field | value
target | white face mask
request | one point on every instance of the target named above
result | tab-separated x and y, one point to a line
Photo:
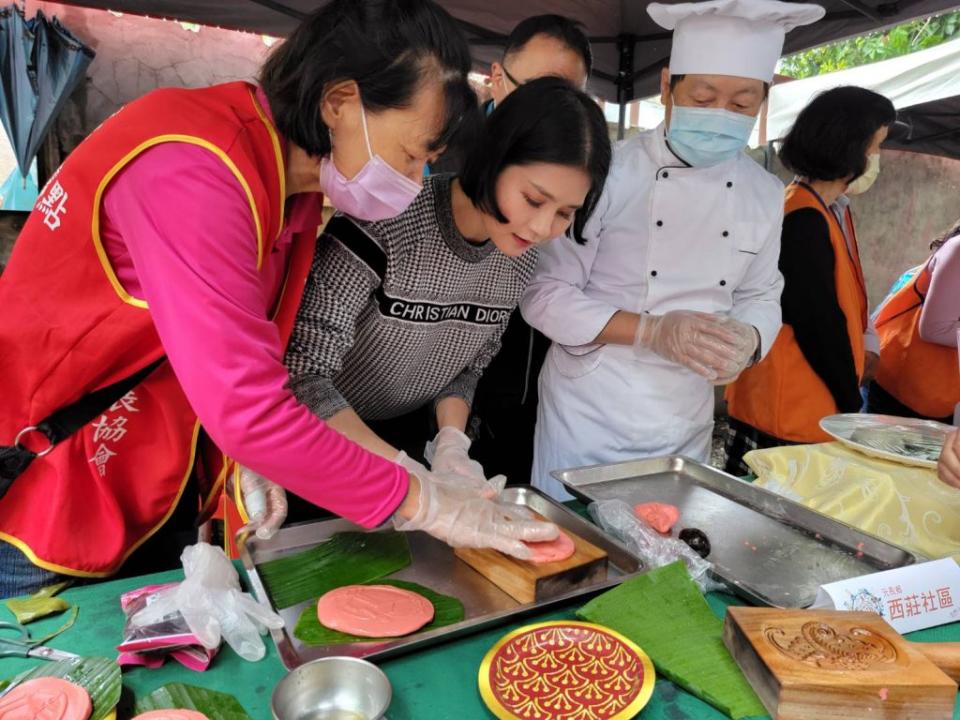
865	181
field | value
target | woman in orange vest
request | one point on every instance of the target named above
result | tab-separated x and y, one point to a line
819	359
150	296
919	372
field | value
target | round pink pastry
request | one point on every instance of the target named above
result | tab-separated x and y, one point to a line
46	697
172	714
553	550
376	611
660	516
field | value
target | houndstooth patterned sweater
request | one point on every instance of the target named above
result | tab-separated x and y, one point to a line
400	313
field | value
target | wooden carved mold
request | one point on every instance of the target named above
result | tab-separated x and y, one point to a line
823	646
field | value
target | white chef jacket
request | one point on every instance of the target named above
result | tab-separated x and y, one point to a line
664	236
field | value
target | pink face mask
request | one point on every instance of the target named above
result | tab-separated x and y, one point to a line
377	192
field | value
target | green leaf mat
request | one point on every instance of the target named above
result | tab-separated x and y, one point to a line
665	614
347	558
215	705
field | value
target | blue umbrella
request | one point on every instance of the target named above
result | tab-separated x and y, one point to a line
19	192
41	62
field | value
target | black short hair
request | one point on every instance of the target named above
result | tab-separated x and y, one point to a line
387	46
558	27
545	120
674	79
830	137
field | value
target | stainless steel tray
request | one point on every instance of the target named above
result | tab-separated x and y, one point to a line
434	566
768	549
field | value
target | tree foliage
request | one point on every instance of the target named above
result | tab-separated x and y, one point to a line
893	42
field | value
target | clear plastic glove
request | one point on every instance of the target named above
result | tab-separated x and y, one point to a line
748	339
449	452
701	342
212	605
265	503
461	518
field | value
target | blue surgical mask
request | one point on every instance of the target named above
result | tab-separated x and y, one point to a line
708	136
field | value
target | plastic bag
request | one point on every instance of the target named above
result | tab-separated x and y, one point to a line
212	605
617	518
150	645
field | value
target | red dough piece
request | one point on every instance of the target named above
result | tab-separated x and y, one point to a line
660	516
553	550
46	698
376	611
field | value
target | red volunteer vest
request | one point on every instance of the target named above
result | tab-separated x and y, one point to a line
923	376
68	328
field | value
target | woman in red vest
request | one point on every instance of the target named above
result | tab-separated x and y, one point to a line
919	373
150	296
823	351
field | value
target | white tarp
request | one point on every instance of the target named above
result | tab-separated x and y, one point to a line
910	80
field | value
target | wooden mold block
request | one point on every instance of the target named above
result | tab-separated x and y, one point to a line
529	582
830	665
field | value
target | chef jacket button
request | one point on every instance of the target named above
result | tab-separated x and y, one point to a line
729	183
653	273
723	283
665	174
725	233
659	223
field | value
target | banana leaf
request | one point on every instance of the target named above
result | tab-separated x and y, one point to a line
347	558
39	605
665	614
215	705
99	676
447	610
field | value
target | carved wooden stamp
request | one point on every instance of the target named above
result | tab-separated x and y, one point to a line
829	665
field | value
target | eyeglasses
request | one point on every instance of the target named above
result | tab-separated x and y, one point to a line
510	77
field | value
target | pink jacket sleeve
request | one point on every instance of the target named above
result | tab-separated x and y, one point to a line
941	309
188	230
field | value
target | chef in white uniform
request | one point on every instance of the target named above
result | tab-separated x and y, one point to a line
676	288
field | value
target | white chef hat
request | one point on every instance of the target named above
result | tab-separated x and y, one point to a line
743	38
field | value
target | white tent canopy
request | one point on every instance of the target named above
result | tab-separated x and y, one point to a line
629	48
916	79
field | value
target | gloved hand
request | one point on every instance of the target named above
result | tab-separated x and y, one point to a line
265	503
448	452
212	605
745	348
698	341
461	518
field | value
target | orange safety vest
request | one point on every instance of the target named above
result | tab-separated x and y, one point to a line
68	328
782	395
923	376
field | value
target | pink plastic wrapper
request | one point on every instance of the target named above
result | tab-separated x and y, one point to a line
149	646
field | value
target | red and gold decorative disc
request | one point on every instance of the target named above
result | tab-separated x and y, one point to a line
565	670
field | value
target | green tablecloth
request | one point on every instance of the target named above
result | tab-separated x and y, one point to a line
439	683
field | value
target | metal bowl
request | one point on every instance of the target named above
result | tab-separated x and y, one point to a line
333	688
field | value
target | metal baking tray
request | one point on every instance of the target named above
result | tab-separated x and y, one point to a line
434	566
766	548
